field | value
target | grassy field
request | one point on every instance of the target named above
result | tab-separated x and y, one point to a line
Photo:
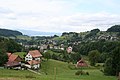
62	71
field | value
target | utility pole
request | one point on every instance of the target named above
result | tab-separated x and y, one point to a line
119	76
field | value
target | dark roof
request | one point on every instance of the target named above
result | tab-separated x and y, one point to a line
12	63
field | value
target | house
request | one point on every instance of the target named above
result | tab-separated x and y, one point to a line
81	63
13	61
33	59
69	49
43	47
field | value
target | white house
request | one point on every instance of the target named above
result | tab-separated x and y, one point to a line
69	49
33	59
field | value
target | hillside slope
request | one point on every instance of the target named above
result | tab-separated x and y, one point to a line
9	33
63	73
49	66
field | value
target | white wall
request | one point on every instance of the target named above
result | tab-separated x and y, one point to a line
28	57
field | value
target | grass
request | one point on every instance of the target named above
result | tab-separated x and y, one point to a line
24	37
62	71
48	67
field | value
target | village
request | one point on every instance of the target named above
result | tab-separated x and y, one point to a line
32	60
85	55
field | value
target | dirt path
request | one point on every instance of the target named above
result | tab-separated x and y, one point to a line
34	71
9	79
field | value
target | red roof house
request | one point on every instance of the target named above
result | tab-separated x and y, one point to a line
13	60
14	57
33	58
81	63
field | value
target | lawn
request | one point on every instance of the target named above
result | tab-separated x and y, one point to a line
47	73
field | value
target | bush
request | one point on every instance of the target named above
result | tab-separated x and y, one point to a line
78	73
71	66
81	73
87	73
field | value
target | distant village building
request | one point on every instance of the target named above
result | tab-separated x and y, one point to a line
69	49
62	48
33	59
56	47
43	47
108	37
14	61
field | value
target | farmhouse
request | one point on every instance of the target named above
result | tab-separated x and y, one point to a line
14	61
81	63
33	59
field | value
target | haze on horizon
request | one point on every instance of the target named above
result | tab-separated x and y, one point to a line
59	15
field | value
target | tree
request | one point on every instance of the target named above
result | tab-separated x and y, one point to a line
112	66
48	47
12	46
108	70
92	33
47	55
103	57
94	57
74	57
54	56
3	57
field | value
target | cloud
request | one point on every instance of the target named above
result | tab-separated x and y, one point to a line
5	10
58	15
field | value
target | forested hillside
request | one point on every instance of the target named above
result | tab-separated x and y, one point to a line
9	33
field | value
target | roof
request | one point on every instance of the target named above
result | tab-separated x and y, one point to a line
81	63
12	63
35	53
9	54
33	62
12	57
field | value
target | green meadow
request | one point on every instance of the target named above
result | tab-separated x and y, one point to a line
49	69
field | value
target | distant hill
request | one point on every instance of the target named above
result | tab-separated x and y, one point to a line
115	28
38	33
9	33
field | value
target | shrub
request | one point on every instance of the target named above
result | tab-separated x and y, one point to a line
81	73
78	73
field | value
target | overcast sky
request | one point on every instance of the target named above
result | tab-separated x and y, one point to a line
59	15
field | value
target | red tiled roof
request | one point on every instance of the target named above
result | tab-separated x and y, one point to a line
81	63
35	53
9	54
33	62
12	57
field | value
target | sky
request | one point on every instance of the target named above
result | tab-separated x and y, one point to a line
59	15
